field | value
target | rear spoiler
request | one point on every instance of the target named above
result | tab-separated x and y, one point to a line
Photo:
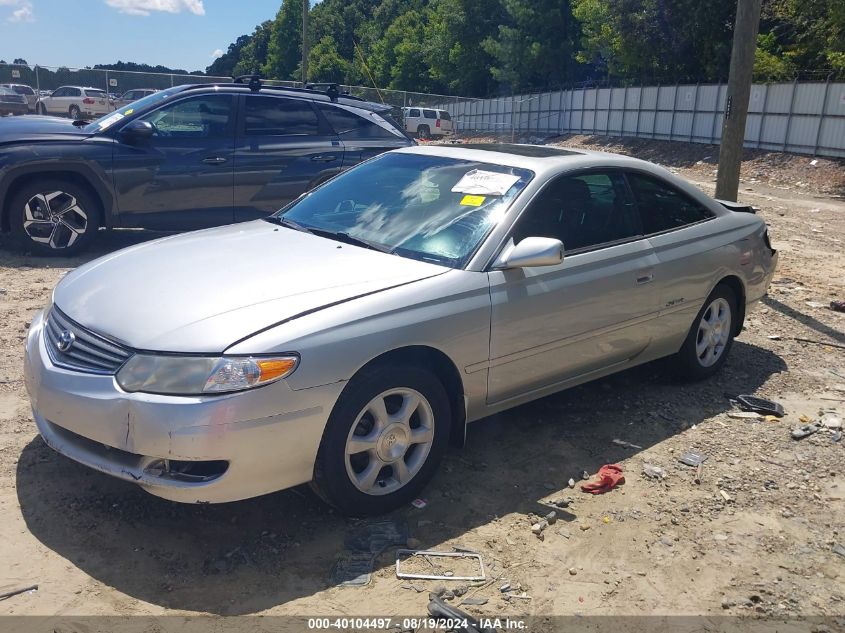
738	207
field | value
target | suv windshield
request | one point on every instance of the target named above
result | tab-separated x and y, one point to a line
429	208
105	122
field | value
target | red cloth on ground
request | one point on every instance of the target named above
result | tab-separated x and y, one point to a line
610	476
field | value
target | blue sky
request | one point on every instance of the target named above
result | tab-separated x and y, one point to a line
76	33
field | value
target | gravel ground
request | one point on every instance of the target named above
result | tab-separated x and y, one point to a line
767	547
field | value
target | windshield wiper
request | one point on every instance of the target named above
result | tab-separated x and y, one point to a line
283	221
351	239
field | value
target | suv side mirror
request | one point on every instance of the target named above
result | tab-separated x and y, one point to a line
137	130
532	251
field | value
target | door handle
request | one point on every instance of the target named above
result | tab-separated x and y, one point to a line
644	279
324	158
214	160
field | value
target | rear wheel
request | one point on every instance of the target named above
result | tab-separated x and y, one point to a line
40	109
711	336
423	132
54	217
383	441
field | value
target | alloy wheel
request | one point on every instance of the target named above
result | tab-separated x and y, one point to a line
714	331
389	442
55	219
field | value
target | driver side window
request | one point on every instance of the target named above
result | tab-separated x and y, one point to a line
207	116
582	211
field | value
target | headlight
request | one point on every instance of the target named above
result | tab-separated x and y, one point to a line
195	375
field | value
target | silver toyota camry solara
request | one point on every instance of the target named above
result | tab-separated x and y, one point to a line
349	338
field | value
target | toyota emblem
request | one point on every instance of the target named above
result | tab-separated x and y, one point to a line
66	339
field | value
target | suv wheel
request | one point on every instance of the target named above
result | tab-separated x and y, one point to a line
54	217
40	109
74	112
711	336
423	132
383	441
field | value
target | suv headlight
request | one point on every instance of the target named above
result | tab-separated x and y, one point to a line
196	375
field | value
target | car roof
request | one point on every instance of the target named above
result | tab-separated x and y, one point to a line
538	158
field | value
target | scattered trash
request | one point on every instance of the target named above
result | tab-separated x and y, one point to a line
405	555
726	496
15	592
363	545
759	405
505	587
655	472
814	162
571	483
745	415
806	430
419	504
625	444
610	476
416	588
692	458
837	549
831	421
699	474
474	601
605	520
447	612
774	337
837	435
837	306
815	304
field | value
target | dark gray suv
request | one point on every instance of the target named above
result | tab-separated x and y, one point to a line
183	158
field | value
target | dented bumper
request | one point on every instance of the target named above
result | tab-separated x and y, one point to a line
259	441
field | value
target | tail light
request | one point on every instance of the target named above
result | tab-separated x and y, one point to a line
437	124
88	101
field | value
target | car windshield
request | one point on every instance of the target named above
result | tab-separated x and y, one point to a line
429	208
105	122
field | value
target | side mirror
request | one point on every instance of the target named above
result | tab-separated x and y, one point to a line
532	251
137	130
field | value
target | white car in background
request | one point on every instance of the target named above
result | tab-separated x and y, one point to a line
427	122
77	102
25	91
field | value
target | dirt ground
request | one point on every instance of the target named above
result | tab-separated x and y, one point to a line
766	548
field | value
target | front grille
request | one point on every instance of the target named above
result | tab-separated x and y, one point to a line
89	353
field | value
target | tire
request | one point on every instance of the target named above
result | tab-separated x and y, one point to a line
54	217
369	481
706	347
423	132
41	109
74	112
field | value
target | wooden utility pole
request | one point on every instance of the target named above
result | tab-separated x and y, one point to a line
305	8
736	101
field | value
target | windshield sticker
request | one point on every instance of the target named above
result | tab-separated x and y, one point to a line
485	183
129	111
472	201
110	120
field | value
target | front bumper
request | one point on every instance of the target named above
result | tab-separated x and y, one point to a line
269	436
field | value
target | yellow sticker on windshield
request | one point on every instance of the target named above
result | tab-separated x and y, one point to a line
129	111
472	201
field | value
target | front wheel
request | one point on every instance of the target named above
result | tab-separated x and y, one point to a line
423	132
74	112
383	441
711	336
54	217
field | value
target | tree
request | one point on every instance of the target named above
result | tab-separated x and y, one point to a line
535	47
326	65
255	53
225	64
21	61
285	41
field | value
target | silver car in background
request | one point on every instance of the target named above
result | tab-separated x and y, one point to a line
347	339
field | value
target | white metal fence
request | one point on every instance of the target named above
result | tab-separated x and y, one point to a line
800	117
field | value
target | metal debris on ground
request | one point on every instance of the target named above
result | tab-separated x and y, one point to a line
692	458
404	555
726	496
745	415
625	444
825	343
469	624
839	550
799	433
837	306
758	405
16	592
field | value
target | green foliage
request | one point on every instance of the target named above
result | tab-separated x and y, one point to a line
487	47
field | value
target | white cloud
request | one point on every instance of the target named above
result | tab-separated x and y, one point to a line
217	53
145	7
23	11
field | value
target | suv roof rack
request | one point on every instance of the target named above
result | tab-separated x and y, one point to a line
332	91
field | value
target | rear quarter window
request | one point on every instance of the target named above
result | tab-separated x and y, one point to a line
352	126
663	207
429	114
445	115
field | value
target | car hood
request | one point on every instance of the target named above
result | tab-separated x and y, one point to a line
204	291
33	127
